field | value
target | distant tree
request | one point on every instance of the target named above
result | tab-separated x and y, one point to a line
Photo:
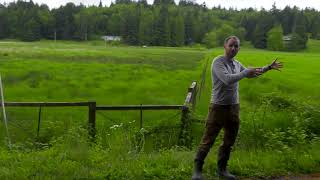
315	28
223	32
240	33
123	1
198	28
299	29
187	3
65	20
4	22
287	19
210	39
189	27
143	2
162	29
82	21
46	21
164	23
274	10
32	31
275	39
260	37
115	21
264	24
248	21
313	23
162	2
146	27
180	32
177	30
130	25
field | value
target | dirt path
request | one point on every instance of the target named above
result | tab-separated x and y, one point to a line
299	177
302	177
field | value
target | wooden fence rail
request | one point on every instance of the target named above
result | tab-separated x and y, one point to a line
138	107
45	104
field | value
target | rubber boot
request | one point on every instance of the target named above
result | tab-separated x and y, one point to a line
197	173
223	157
224	173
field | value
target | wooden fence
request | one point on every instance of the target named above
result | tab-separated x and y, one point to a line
190	102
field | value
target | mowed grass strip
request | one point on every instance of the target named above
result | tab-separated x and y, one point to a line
160	57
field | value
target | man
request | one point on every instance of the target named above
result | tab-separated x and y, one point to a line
224	106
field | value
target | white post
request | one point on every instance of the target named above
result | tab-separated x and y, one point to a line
4	113
55	36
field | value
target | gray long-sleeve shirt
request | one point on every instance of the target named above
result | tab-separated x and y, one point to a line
225	76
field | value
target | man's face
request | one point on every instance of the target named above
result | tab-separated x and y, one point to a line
231	48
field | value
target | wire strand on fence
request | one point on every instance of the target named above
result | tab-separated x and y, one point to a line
112	120
126	127
171	117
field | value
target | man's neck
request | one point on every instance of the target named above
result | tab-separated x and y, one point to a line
228	58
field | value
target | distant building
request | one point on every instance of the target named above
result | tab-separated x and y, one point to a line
287	38
287	41
111	38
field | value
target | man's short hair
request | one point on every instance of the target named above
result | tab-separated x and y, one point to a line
231	37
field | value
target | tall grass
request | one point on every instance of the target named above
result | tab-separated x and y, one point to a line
279	112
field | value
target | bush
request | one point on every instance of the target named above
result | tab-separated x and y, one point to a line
275	39
210	39
296	43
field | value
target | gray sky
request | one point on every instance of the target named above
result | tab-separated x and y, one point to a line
239	4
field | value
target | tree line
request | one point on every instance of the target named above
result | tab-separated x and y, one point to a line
163	23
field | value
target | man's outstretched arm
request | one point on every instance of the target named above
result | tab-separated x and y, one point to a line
274	65
228	78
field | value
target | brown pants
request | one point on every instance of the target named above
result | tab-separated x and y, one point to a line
219	116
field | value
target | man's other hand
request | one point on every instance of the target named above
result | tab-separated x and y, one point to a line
254	72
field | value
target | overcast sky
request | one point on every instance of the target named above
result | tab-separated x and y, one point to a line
239	4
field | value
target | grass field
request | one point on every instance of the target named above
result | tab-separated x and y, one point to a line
280	114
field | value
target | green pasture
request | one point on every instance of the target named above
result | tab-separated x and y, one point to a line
280	114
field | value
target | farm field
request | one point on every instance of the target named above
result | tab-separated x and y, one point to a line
280	114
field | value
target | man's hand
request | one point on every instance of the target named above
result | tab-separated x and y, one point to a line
254	72
276	65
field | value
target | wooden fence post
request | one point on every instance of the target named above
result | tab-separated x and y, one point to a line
183	136
193	90
92	119
39	120
141	120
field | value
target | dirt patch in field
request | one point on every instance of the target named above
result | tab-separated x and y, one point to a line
302	177
293	177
